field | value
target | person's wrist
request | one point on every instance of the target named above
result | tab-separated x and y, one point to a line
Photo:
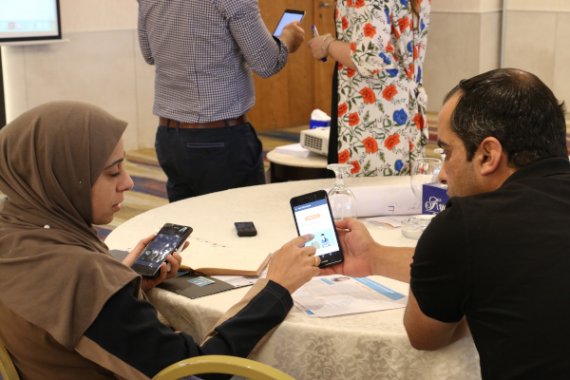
326	45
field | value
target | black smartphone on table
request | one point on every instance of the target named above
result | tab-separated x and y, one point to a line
245	229
289	15
313	215
168	239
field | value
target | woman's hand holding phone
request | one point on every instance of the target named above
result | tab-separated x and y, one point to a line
155	257
134	254
167	270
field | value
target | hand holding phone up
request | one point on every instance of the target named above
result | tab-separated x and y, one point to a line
293	36
168	269
157	251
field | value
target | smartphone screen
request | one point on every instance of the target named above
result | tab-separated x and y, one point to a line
169	238
288	17
313	215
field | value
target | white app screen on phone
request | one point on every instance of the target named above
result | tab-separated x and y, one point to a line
315	218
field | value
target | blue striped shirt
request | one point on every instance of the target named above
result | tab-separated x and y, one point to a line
204	52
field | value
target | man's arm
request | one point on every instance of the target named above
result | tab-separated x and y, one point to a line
426	333
439	287
143	38
363	257
264	54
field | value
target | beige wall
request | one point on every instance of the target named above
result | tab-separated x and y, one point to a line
538	40
100	60
464	39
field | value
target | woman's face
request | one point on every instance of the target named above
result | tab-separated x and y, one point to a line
107	192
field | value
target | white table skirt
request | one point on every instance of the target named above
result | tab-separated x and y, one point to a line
362	346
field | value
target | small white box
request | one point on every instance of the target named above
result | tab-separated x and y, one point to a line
316	140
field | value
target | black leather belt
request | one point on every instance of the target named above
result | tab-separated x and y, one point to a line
212	124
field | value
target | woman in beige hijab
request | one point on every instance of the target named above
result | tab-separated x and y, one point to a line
68	310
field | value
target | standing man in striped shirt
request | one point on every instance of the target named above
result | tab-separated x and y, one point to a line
204	53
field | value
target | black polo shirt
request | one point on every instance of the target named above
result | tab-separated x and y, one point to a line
502	259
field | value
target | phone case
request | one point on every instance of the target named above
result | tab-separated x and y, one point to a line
153	255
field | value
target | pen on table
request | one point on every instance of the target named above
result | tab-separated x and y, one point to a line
316	34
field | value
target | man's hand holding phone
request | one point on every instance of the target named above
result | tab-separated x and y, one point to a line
359	250
293	36
289	29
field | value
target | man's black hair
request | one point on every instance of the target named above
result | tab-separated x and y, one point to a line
515	107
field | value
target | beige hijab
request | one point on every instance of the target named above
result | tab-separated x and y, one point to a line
54	270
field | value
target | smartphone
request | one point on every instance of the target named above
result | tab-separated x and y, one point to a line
245	229
169	239
313	215
288	17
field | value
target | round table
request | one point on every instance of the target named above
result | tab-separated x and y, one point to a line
361	346
293	163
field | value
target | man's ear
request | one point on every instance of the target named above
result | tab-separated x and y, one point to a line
489	156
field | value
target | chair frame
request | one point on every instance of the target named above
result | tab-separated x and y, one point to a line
7	368
222	364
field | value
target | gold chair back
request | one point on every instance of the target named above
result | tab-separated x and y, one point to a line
7	369
223	364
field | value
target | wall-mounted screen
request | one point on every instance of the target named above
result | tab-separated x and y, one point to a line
27	20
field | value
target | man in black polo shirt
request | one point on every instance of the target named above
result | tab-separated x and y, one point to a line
496	262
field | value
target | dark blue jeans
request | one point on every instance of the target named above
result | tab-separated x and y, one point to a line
201	161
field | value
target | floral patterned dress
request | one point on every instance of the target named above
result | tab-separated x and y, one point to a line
382	104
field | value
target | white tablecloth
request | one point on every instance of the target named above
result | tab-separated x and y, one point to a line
362	346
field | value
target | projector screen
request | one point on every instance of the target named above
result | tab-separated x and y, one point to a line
26	20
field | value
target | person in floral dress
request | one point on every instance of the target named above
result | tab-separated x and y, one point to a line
380	48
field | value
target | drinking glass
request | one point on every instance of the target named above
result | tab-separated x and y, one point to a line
342	200
424	170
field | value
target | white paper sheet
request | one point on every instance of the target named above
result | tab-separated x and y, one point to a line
329	296
377	200
293	150
212	258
